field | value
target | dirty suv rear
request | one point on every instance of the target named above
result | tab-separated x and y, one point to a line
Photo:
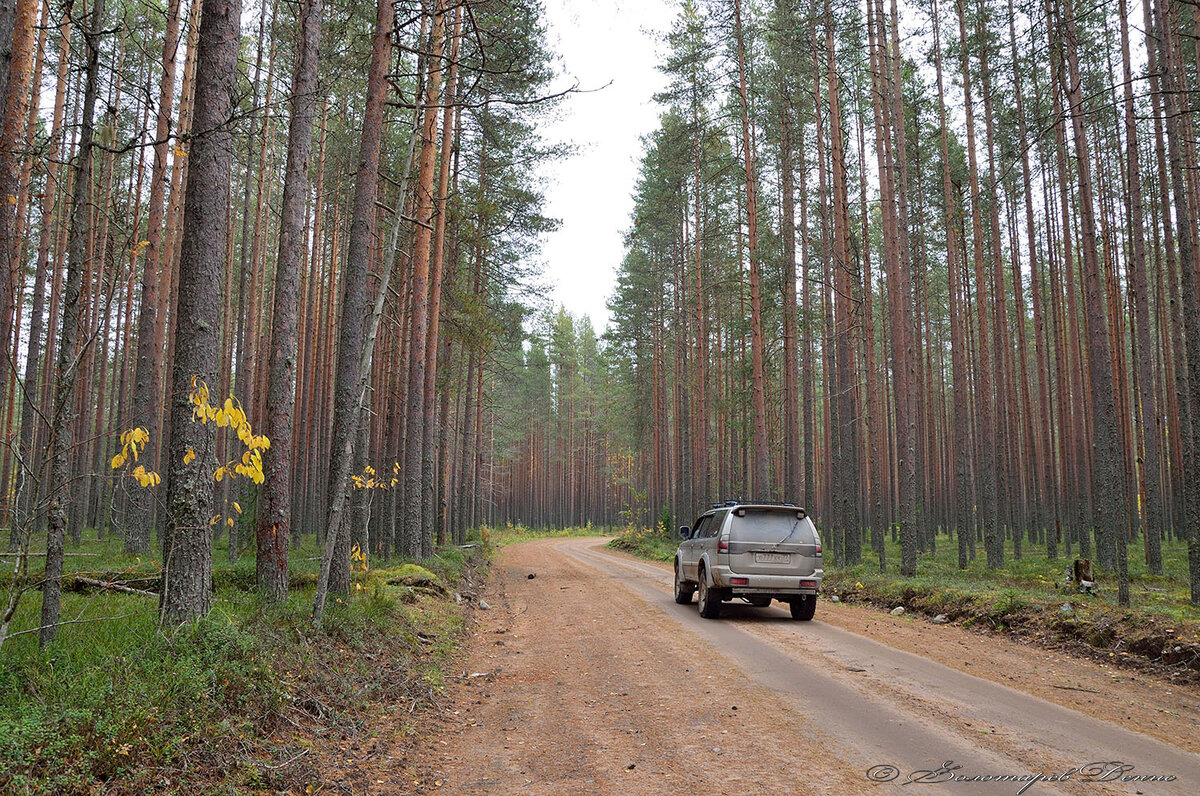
757	552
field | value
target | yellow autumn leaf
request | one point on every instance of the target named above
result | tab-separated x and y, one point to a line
219	474
118	461
189	457
229	521
237	507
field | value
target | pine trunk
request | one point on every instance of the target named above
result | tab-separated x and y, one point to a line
187	547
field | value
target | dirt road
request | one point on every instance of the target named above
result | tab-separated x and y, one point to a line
587	678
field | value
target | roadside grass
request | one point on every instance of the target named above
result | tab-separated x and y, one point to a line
1031	579
239	700
509	533
654	544
1028	597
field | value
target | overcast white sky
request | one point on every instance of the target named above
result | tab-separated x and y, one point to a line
599	41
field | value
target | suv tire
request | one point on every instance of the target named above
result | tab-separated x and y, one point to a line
804	606
683	589
708	599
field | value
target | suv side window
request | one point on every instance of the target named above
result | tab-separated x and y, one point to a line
701	527
713	528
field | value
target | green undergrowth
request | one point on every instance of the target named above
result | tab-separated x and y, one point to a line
1027	597
237	702
654	544
510	533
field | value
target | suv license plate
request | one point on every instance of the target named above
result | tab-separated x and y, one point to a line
772	558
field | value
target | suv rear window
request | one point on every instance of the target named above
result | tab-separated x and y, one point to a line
766	525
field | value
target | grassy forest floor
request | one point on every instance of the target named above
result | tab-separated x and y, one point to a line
237	702
1027	597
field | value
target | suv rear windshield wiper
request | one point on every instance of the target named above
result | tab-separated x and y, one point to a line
789	533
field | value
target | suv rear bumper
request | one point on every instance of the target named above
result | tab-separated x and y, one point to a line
766	584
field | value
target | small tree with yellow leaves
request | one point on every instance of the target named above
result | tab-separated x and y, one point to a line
229	415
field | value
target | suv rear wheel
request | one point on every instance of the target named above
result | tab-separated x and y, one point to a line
708	599
683	589
804	606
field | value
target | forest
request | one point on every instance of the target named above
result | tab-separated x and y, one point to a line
259	262
927	269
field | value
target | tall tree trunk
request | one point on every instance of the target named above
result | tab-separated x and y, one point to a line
985	395
16	55
845	380
893	189
1045	451
1107	468
1189	398
793	460
437	267
354	290
148	382
761	480
963	489
1005	429
32	424
415	526
61	443
1146	415
187	546
274	506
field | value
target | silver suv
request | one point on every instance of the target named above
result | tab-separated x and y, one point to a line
756	551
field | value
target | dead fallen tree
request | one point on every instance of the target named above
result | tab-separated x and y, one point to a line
109	586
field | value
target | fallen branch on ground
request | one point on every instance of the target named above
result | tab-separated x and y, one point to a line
100	584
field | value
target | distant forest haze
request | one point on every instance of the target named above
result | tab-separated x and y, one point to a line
928	269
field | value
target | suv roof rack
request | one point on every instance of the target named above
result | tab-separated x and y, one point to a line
739	502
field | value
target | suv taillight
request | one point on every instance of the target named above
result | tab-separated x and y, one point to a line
818	549
723	546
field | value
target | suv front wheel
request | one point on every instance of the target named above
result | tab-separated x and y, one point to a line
683	589
708	599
